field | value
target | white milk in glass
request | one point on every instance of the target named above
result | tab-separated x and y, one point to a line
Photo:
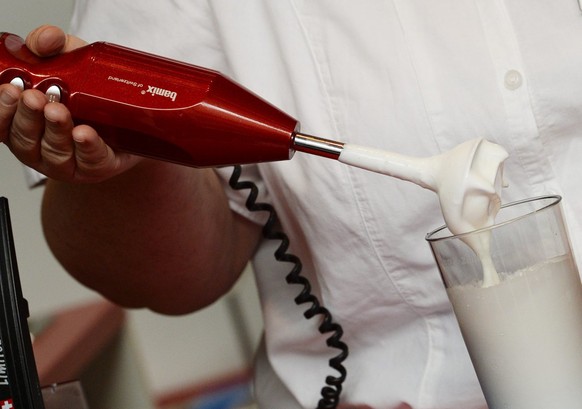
528	333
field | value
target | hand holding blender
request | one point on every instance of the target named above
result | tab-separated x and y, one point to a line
60	151
142	104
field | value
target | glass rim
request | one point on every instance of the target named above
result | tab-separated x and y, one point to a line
556	199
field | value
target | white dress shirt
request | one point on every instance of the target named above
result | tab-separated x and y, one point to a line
410	76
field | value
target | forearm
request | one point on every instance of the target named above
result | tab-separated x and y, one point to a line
159	235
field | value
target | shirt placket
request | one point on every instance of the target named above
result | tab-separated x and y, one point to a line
523	139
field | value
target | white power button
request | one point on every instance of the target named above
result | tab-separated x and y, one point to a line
18	82
54	93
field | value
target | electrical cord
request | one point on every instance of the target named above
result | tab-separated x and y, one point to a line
330	393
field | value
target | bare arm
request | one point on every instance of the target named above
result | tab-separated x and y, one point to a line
142	232
159	236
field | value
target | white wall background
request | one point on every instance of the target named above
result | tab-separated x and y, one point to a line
20	16
175	351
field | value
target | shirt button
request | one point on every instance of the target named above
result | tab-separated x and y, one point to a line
513	79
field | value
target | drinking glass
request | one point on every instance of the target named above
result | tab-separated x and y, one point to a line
521	315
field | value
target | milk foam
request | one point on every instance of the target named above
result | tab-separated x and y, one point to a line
467	179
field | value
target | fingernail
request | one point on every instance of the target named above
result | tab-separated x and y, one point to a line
7	98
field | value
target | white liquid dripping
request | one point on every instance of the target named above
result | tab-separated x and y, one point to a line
467	179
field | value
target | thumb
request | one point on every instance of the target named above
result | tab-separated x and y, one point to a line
50	40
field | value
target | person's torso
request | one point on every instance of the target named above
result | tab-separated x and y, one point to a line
413	77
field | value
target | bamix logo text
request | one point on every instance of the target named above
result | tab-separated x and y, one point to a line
161	92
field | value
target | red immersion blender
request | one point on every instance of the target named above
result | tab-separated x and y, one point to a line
160	108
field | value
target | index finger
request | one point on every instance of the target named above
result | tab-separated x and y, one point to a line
9	95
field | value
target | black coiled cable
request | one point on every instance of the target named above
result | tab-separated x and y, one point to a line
330	394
